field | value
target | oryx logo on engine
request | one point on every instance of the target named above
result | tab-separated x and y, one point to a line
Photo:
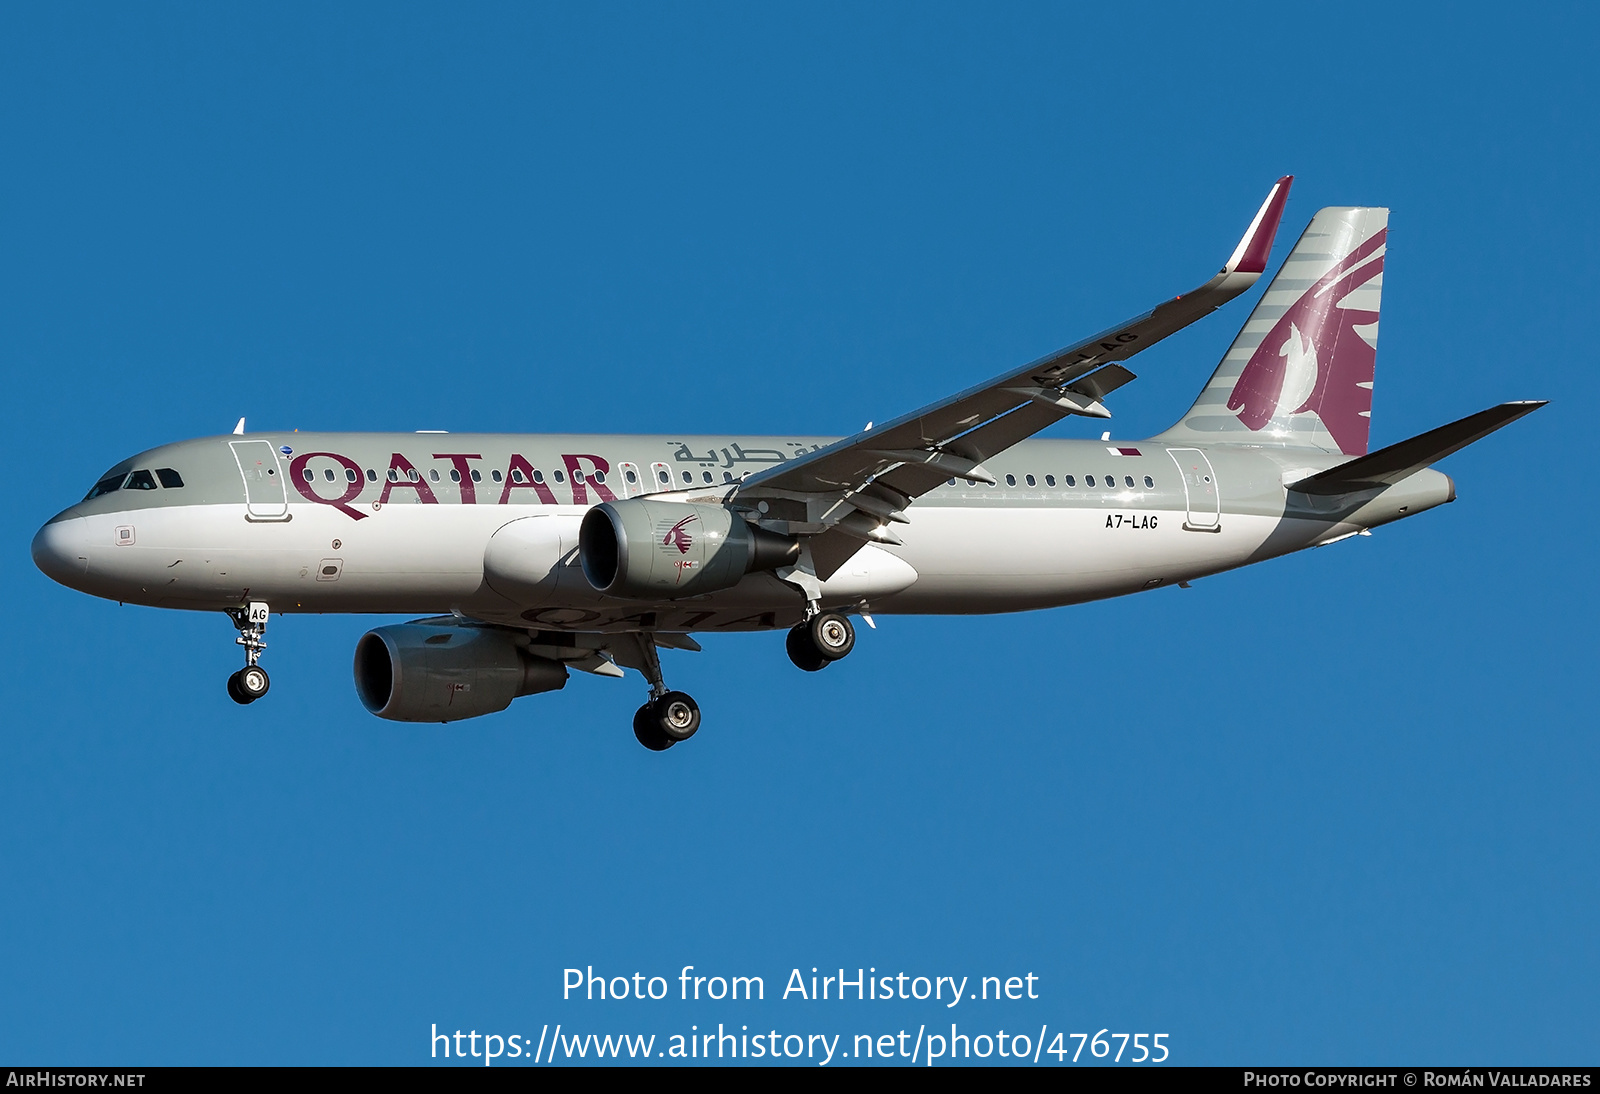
678	535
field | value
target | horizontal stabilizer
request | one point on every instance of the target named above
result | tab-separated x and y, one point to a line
1388	466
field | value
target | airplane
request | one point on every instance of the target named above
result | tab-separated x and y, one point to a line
532	556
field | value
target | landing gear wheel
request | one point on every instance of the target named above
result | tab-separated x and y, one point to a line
832	635
677	715
248	684
648	730
803	652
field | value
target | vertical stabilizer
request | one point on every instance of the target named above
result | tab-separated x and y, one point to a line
1299	374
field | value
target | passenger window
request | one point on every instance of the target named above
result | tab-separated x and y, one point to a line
952	482
350	475
1149	483
394	476
1070	481
372	476
1128	479
516	475
727	476
1049	480
972	482
477	476
495	474
140	480
538	476
1031	481
600	477
169	478
455	475
559	477
663	476
412	474
327	473
706	475
1088	480
308	474
630	476
577	476
1011	480
688	477
432	474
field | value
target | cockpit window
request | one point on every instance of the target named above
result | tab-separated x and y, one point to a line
107	485
169	478
140	480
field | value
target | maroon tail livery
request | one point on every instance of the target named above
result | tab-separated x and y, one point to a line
1301	371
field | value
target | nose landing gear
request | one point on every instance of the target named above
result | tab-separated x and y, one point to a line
249	683
820	641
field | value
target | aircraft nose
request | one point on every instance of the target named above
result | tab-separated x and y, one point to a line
61	550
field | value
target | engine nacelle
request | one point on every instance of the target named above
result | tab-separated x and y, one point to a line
663	550
425	672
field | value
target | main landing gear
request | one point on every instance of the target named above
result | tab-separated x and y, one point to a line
820	641
669	716
249	683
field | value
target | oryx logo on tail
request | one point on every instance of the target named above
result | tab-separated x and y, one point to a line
1299	372
1315	358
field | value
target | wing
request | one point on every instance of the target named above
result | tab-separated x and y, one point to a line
848	493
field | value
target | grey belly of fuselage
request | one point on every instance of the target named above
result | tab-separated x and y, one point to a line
401	523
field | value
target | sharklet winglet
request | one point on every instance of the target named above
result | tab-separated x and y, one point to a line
1251	254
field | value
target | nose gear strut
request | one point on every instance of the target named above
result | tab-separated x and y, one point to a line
249	683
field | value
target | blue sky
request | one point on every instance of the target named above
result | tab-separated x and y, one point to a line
1335	808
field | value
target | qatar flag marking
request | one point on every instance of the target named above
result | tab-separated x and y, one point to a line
1123	451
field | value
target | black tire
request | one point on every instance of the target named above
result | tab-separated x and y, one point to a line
803	652
252	682
832	635
233	690
648	731
677	715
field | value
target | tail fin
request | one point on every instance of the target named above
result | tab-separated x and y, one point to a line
1299	374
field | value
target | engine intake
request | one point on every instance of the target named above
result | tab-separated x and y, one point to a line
663	550
424	672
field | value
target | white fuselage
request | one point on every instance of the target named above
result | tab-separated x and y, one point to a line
357	533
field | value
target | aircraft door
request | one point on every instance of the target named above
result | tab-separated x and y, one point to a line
1199	488
264	490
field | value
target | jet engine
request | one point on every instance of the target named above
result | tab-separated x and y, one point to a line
663	550
443	672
